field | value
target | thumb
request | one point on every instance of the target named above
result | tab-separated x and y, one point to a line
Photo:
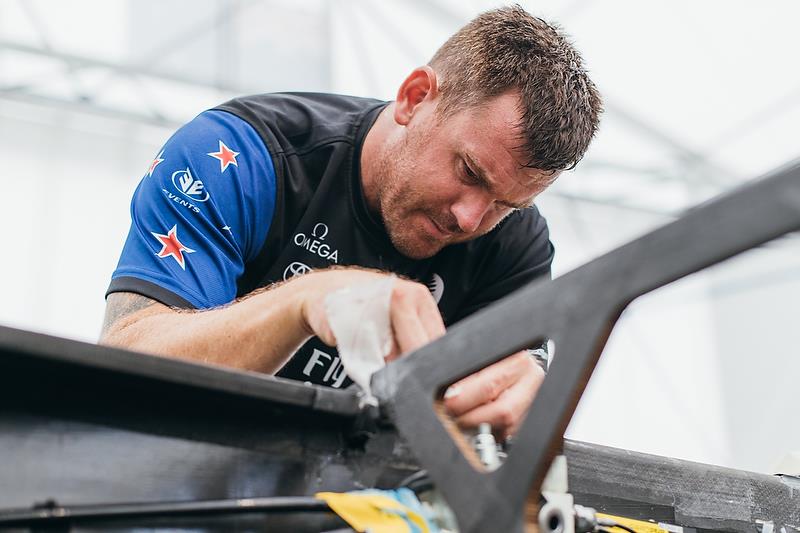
394	353
319	325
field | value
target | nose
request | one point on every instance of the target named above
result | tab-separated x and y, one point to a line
470	209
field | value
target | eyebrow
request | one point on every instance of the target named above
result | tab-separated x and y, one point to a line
481	175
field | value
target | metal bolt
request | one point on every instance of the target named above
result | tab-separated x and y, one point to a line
486	446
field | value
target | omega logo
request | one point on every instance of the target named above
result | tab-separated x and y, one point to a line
322	229
315	243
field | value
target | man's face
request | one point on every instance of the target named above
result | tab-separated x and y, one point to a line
445	181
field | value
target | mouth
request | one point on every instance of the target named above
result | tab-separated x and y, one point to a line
436	230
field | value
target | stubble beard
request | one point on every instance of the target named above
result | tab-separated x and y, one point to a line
398	200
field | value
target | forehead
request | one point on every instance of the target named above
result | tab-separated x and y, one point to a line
490	135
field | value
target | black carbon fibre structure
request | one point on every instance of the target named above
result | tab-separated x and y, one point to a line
85	425
577	311
56	515
693	495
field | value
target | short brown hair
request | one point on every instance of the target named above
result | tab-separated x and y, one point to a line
508	49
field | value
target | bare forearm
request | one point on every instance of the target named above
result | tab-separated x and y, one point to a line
258	333
264	329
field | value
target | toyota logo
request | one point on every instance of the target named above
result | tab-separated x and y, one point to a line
296	269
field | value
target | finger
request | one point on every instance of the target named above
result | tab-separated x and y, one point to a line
394	352
508	411
485	385
408	331
430	317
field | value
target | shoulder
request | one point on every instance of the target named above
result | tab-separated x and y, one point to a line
213	126
219	148
215	172
298	120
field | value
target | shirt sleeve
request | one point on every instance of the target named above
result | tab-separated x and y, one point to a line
201	212
520	252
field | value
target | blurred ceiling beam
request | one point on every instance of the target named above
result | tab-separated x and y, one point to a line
75	61
89	108
612	203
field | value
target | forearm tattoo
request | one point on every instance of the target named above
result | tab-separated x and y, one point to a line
122	304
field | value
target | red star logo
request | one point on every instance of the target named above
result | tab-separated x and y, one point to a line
171	246
226	156
155	163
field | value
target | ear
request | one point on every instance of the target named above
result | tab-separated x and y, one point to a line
418	89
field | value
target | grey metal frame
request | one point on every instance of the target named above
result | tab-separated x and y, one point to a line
577	311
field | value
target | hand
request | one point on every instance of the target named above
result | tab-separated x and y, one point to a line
413	315
499	394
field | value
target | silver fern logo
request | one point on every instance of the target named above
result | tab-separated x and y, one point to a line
436	285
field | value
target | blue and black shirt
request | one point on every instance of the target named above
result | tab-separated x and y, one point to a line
267	187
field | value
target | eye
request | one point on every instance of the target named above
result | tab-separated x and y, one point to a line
467	175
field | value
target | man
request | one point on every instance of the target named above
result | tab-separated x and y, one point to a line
437	186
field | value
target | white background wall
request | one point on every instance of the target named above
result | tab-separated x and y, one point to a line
66	185
705	369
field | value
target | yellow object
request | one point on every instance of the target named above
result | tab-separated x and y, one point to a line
372	512
640	526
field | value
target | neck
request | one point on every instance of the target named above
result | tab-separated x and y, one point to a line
371	152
